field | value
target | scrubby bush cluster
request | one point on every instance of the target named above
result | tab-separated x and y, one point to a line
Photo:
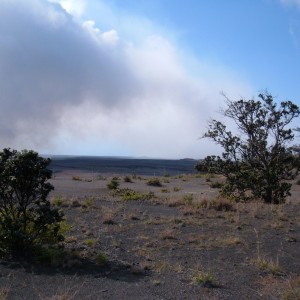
113	184
154	182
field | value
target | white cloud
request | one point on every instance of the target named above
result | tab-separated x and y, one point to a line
73	7
291	2
68	88
110	37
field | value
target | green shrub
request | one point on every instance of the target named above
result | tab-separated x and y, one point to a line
127	179
154	182
206	279
101	259
188	199
89	201
113	184
57	200
90	242
27	218
131	195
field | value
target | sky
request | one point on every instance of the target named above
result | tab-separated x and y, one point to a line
138	78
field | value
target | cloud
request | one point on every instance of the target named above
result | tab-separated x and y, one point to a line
67	86
48	63
110	37
291	2
73	7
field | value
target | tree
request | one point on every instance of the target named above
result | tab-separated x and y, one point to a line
258	160
27	219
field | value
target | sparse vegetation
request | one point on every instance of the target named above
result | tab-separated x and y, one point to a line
127	179
89	242
201	231
113	184
207	279
89	201
188	199
128	195
58	200
268	265
101	259
154	182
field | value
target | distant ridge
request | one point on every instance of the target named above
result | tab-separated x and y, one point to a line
123	165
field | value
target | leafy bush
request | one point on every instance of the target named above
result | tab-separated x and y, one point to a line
128	194
154	182
188	199
127	179
101	259
27	219
257	160
113	184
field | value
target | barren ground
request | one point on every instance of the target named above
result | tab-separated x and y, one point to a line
177	241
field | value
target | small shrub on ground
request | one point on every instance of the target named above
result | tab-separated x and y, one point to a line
101	259
188	199
128	195
75	203
206	279
88	202
154	182
219	204
113	184
127	179
58	200
177	188
268	265
76	178
89	242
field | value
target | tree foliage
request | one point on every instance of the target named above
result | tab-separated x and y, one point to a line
27	219
258	160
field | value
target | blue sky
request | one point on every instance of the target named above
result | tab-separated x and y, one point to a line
138	78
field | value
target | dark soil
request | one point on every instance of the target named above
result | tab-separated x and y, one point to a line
180	244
